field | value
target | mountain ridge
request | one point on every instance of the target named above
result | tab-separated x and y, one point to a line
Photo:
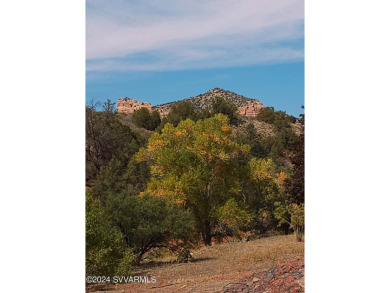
246	106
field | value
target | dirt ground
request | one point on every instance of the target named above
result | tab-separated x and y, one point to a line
272	264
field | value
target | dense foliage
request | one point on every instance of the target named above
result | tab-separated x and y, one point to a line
121	176
268	115
148	222
250	136
284	140
143	118
180	111
202	175
295	185
195	164
107	138
294	215
226	107
105	246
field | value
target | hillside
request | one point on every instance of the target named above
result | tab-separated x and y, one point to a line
135	173
246	106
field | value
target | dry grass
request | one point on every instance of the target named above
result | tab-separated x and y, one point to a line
213	267
274	252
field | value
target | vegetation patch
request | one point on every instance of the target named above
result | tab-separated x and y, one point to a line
194	188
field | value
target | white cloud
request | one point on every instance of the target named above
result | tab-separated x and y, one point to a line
178	34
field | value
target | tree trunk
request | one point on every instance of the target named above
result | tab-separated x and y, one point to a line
298	233
286	228
206	234
137	259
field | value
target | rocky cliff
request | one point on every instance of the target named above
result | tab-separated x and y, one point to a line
251	109
246	106
129	106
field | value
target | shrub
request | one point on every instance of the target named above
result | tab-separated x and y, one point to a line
233	217
143	118
180	111
126	264
267	115
294	215
119	176
105	246
226	107
106	138
148	222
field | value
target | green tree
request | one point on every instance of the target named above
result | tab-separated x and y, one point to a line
195	164
155	120
181	111
121	176
263	190
143	118
204	113
285	133
148	222
251	137
105	246
106	138
294	215
226	107
268	115
232	216
284	138
295	186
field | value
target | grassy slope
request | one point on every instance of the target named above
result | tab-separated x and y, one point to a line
215	266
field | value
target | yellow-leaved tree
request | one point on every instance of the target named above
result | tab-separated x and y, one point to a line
267	188
196	165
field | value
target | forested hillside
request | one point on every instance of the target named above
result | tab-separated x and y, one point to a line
204	101
196	177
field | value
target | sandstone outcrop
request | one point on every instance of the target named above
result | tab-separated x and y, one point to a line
129	106
251	109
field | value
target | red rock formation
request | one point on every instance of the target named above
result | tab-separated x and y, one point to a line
129	106
251	109
246	107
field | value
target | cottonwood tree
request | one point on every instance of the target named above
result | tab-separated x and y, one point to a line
294	215
264	189
195	164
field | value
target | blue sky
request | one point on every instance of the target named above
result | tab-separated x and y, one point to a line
161	51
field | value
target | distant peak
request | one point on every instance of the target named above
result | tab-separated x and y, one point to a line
217	89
